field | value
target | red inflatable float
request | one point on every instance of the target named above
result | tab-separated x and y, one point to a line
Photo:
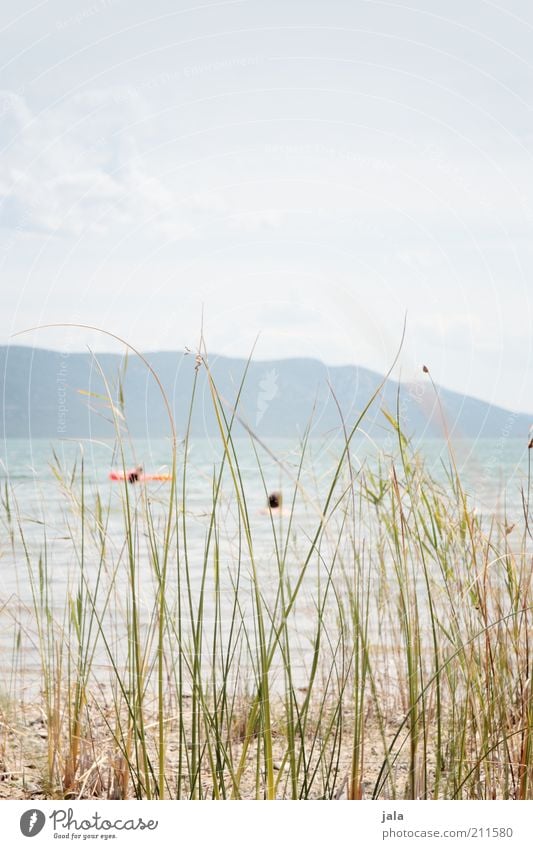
138	477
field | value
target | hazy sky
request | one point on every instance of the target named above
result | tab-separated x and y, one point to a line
308	171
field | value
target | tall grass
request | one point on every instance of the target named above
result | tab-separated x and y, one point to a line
372	640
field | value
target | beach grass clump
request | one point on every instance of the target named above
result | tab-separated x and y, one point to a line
371	639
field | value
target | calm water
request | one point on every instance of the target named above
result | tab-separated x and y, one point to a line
494	474
492	471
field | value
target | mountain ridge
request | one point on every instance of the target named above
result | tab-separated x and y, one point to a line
52	393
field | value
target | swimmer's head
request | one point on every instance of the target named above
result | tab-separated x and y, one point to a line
274	500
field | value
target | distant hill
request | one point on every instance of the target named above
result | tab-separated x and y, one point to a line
44	394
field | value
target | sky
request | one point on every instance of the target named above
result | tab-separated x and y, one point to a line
303	174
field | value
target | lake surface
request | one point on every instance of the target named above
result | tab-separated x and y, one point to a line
494	473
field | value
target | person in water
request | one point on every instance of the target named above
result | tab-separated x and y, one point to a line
274	504
275	501
135	475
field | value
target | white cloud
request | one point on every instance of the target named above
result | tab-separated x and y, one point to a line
255	220
76	167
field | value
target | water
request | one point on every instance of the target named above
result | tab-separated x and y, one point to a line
489	468
494	474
